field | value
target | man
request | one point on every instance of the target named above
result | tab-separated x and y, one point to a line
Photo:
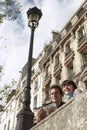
56	97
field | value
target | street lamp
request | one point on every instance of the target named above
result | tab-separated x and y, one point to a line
25	115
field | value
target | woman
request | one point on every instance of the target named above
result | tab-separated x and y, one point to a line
70	89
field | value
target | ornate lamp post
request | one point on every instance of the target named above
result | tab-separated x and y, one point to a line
25	116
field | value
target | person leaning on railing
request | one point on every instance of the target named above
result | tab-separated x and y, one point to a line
56	97
70	90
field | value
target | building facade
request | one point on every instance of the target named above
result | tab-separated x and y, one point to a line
65	57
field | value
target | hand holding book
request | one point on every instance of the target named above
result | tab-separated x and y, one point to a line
46	109
50	108
40	114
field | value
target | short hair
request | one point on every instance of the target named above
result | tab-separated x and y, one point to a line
56	87
69	82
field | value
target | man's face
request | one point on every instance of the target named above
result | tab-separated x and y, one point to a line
55	96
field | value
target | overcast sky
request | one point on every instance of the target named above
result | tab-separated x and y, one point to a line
15	35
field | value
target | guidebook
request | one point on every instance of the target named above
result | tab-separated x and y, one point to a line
49	107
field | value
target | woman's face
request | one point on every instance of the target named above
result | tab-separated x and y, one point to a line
67	89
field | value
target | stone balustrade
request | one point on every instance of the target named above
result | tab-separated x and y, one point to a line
71	116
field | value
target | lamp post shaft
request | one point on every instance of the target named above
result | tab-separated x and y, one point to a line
25	116
30	56
26	98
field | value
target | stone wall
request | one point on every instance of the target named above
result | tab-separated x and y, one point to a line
71	116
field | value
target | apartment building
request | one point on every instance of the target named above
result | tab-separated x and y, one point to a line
36	84
8	115
65	57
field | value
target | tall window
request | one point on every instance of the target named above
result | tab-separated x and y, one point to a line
71	72
36	85
5	127
8	125
47	71
68	49
85	57
58	80
57	60
81	33
35	101
46	91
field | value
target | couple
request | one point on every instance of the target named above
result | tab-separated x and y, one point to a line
69	90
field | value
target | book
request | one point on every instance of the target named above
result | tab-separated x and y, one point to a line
48	108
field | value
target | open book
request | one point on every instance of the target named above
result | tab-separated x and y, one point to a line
48	107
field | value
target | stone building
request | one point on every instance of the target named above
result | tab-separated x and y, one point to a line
65	57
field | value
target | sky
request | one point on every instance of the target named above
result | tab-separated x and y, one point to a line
15	35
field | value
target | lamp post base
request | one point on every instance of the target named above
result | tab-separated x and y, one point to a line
24	120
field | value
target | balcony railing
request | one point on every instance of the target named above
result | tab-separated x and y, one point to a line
47	79
65	117
47	76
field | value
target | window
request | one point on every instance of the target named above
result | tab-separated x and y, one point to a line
81	33
68	49
85	57
5	127
35	101
47	71
8	125
47	96
36	85
71	72
57	59
58	80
